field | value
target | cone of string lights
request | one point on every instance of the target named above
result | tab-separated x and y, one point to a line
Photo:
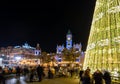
103	47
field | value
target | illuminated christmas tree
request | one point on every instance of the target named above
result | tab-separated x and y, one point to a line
103	49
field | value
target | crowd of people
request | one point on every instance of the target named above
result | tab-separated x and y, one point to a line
39	72
50	72
98	77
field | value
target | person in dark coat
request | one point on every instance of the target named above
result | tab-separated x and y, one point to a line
2	78
71	72
98	76
40	72
18	69
31	74
25	70
86	79
50	74
80	74
107	77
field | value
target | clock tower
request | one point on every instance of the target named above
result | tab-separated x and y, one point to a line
69	40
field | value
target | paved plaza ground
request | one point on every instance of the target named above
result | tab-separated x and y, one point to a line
45	81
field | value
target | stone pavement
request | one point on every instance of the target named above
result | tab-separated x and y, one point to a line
44	81
15	80
61	80
58	81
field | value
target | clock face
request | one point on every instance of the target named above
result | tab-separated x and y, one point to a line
68	38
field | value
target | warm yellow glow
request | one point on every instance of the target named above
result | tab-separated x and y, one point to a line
103	49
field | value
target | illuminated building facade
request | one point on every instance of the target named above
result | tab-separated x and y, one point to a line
69	40
103	49
13	53
37	50
69	44
76	47
60	49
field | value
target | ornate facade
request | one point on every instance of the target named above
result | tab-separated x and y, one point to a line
18	52
69	44
60	49
69	40
75	49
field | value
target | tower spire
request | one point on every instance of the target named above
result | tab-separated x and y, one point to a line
69	32
69	40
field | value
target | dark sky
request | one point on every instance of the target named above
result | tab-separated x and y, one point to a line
45	22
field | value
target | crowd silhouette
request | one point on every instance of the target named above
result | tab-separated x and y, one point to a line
40	72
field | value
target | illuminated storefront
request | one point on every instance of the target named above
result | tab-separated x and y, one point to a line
11	55
30	62
103	49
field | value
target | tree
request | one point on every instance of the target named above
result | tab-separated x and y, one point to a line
70	55
45	57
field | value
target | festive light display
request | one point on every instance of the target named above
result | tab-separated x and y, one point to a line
103	49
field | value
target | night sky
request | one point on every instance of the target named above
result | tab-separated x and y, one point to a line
45	22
